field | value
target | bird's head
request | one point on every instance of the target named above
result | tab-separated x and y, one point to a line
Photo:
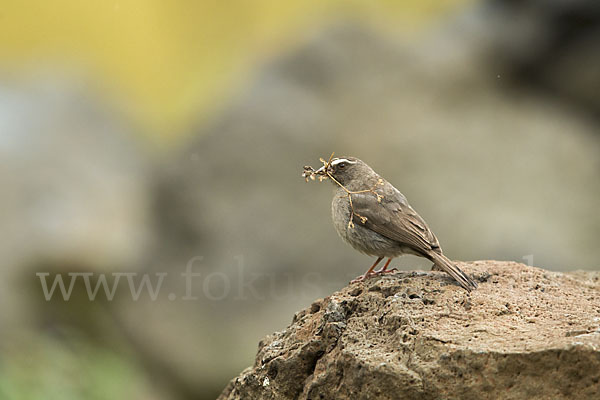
346	170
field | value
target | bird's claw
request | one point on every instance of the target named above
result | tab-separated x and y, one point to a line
360	278
385	271
374	273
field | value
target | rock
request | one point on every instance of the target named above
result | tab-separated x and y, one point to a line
525	333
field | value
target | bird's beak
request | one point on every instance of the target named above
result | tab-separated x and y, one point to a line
321	171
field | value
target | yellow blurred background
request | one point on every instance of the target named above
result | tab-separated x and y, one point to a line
172	64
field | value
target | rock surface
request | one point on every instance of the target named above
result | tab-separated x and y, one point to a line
525	333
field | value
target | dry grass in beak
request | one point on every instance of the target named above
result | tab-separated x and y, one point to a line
323	173
310	173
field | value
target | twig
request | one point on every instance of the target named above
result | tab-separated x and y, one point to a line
349	193
309	172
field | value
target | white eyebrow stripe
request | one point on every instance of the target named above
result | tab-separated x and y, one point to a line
341	160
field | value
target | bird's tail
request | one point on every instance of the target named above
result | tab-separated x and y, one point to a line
443	263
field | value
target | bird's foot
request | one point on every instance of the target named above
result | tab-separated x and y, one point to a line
384	271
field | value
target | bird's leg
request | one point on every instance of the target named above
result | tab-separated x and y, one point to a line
384	270
368	273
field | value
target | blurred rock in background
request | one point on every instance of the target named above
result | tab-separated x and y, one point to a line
75	198
487	123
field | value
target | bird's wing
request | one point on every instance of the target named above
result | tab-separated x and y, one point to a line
394	218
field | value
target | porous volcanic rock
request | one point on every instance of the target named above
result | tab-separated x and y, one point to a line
524	333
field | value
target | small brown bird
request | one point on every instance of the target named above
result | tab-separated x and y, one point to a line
374	217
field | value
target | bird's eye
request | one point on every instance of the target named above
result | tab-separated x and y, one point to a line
342	165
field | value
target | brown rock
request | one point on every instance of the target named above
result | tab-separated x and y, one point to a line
525	333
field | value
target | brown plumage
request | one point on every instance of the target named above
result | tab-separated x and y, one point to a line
375	218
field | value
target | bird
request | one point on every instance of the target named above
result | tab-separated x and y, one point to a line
371	215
